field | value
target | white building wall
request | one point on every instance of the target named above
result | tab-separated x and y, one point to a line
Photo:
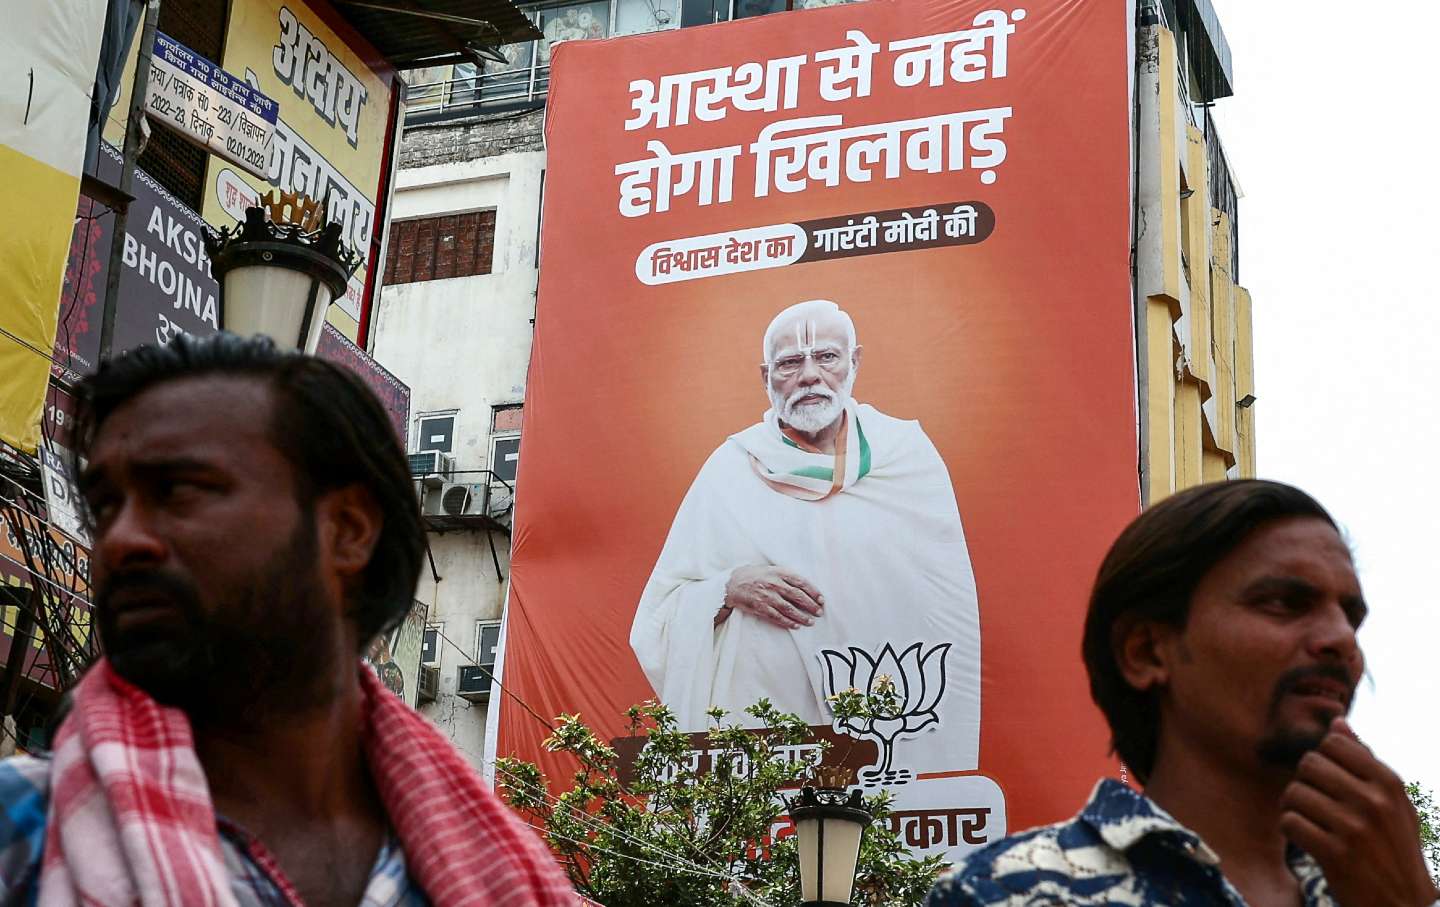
464	344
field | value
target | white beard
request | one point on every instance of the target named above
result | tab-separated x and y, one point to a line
811	418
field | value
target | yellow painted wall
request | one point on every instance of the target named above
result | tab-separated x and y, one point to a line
1197	339
32	269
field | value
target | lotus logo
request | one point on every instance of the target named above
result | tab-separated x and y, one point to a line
904	691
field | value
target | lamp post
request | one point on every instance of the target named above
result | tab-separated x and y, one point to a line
278	273
829	825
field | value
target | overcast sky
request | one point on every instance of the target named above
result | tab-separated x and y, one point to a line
1332	137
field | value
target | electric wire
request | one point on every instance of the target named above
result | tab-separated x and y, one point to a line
585	819
69	309
62	621
580	816
494	680
22	342
34	498
588	820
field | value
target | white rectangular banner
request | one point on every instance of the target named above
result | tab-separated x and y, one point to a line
209	106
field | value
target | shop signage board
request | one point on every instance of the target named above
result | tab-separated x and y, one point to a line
331	135
62	498
166	289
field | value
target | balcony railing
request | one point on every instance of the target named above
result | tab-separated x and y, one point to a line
487	91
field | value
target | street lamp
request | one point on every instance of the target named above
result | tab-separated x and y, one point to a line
279	273
828	827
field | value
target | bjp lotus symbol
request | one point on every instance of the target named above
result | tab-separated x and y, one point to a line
903	691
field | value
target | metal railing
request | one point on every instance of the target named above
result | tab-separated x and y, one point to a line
477	93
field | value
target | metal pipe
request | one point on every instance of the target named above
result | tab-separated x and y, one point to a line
133	119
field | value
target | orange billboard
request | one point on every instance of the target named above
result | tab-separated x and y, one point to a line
833	387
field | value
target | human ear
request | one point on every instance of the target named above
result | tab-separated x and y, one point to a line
1141	653
855	356
765	376
349	523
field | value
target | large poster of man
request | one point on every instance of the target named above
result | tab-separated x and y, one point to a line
770	581
833	388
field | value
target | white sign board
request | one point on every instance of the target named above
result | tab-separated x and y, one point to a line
209	106
62	499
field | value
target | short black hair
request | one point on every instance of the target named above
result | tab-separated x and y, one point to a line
327	424
1151	573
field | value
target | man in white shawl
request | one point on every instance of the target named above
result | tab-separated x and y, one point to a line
815	551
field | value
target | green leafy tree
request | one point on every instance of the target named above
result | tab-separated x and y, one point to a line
1429	814
677	835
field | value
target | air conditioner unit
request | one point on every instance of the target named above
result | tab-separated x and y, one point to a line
456	499
429	685
472	682
432	467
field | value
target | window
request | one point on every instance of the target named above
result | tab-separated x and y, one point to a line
436	432
634	17
487	639
505	441
575	22
505	458
175	162
744	9
430	644
435	248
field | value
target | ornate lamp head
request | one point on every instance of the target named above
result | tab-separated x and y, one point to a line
279	269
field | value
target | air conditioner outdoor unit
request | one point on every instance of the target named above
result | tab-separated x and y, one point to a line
472	682
429	685
456	499
432	467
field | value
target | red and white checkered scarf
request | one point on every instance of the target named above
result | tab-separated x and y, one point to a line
131	823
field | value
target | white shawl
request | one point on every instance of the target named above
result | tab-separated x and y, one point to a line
886	550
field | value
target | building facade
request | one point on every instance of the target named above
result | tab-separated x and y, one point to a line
471	177
1196	375
454	321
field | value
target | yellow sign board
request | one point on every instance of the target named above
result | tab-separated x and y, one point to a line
330	138
48	53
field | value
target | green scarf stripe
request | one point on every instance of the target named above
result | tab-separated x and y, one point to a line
864	453
828	475
815	472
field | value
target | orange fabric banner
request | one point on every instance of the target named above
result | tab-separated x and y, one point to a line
951	175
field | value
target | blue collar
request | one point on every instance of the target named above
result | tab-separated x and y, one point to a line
1123	817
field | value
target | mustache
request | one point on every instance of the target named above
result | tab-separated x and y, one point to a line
148	584
795	397
1295	677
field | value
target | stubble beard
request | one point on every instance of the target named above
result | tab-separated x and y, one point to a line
1283	747
258	652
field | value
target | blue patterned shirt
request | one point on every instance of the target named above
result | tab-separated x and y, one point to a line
1121	850
255	880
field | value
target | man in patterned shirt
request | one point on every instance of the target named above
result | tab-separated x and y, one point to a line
1220	644
254	528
